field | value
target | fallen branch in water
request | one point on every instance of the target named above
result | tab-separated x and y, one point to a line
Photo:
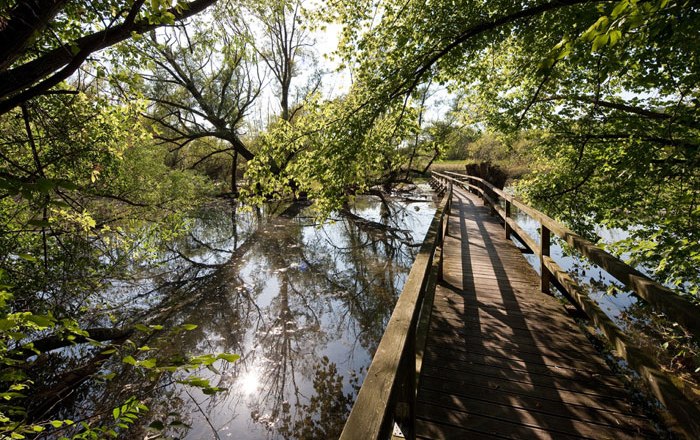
54	342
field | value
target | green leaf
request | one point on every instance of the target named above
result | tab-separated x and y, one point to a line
229	357
600	42
142	328
66	184
41	320
619	8
147	363
45	185
614	36
189	327
129	360
28	257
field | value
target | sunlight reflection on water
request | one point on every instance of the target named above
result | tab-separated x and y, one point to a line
304	306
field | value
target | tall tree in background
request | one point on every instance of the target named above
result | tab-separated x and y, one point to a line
202	84
282	41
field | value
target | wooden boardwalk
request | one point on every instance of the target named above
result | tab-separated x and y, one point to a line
504	360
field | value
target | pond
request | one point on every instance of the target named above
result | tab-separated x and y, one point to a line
303	304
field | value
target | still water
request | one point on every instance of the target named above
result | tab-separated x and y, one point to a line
303	304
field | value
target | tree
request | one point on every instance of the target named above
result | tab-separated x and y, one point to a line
282	41
338	149
613	87
202	84
279	35
45	41
73	166
73	162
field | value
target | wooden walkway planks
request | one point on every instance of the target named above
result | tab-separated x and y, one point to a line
503	360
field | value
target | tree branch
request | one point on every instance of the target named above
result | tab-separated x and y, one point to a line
37	76
623	107
26	19
480	28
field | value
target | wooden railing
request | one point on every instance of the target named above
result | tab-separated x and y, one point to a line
683	411
388	393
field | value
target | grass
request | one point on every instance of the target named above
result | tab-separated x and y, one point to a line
514	170
456	166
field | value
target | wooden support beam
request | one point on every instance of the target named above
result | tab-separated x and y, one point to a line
544	252
507	216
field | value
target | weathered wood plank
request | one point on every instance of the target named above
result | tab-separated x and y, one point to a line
503	359
512	351
489	363
513	417
532	361
492	319
486	384
611	414
576	381
488	425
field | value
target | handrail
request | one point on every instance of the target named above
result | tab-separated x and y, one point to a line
681	403
388	393
660	297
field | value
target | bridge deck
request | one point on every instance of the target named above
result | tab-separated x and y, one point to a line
503	359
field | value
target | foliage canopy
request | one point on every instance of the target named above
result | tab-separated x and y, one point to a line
612	87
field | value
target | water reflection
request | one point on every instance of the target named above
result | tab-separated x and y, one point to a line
304	306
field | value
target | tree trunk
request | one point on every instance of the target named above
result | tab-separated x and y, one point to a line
234	170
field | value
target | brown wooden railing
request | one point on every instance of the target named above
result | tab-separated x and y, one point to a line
388	393
681	402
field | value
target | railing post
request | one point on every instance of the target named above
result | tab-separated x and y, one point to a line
507	226
441	240
448	207
545	276
405	410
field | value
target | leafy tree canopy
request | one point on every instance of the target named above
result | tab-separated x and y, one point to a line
613	86
45	41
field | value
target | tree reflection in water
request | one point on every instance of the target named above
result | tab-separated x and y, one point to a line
304	306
